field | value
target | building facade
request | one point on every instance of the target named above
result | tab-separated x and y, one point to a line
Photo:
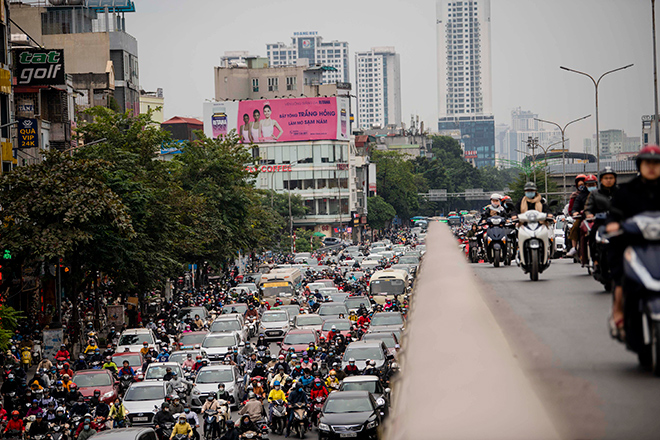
308	48
378	78
154	101
464	75
7	160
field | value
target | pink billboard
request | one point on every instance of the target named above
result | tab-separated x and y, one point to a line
291	120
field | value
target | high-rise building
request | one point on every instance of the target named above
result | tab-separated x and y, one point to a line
309	48
378	77
464	76
523	126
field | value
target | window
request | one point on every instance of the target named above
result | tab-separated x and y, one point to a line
273	84
291	83
255	84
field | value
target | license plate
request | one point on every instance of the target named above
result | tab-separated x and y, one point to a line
140	419
348	434
273	333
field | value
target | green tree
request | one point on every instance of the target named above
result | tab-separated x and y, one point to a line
8	323
396	182
306	241
516	189
380	213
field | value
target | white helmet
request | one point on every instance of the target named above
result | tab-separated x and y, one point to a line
496	196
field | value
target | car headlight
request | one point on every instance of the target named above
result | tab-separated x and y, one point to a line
108	395
323	427
195	391
372	424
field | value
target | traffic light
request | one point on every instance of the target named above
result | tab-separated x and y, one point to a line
356	218
6	255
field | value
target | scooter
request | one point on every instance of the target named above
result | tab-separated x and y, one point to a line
641	284
278	419
317	406
299	422
534	244
210	421
496	236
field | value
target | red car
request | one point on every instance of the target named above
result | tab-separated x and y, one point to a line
343	326
90	380
134	359
299	339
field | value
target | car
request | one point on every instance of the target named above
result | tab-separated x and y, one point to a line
332	310
410	269
240	309
143	399
190	340
560	238
410	259
308	322
207	381
274	324
90	380
327	291
326	282
134	360
180	356
371	384
347	414
331	241
190	313
354	302
390	339
291	309
363	350
132	339
217	345
343	326
252	287
230	323
298	340
127	434
413	253
339	297
386	321
157	370
316	286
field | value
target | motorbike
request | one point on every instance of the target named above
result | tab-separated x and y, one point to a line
166	430
125	381
253	435
278	419
641	284
496	236
534	244
57	432
300	419
473	250
210	421
252	326
317	406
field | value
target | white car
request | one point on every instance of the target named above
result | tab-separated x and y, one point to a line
217	345
143	399
208	379
132	340
274	324
308	322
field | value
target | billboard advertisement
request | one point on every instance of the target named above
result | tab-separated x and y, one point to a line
279	120
39	67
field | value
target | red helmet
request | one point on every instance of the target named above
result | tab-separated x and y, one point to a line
650	152
73	386
15	413
591	178
580	177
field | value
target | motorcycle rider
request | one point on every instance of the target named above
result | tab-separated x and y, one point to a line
62	353
101	409
91	346
110	365
332	382
275	394
176	406
532	200
639	195
246	424
126	370
87	431
163	416
351	369
223	394
188	362
318	390
80	408
178	382
495	207
38	427
183	427
297	395
599	202
81	363
213	405
118	414
580	192
232	432
192	420
253	408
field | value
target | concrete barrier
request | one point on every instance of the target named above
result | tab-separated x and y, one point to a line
459	377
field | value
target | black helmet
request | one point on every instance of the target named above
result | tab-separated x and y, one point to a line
530	186
605	171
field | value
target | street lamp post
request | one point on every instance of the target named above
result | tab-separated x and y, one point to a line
596	84
545	156
563	146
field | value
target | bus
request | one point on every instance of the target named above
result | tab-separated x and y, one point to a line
387	284
281	283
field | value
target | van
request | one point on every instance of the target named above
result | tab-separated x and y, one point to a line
280	283
387	284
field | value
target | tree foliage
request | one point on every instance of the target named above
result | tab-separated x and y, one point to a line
380	213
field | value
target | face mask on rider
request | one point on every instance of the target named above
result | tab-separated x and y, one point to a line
592	188
86	427
530	194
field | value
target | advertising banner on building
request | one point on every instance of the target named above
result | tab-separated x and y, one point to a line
279	120
53	340
28	133
39	67
116	315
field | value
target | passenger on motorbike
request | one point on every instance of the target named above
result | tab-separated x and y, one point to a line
162	417
639	195
38	427
495	207
176	406
110	365
599	202
80	408
253	408
581	192
62	353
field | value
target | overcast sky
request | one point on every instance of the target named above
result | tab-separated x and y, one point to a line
180	42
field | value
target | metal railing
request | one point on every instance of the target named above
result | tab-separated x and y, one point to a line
627	166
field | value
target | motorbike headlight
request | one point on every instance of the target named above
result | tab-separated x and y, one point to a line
380	401
372	424
323	427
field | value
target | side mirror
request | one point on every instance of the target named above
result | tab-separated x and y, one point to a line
388	390
554	202
241	344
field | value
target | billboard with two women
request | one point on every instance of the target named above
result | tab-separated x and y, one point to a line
279	120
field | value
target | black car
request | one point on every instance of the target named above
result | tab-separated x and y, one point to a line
331	241
350	414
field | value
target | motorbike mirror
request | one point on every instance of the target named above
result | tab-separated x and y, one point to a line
388	390
554	202
382	413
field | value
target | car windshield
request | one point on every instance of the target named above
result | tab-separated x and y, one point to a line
239	308
354	404
388	286
332	309
180	356
299	338
145	393
361	386
274	317
136	339
100	379
354	303
273	291
308	320
159	371
379	319
341	325
363	353
226	325
408	260
192	339
220	341
133	360
214	376
387	339
328	290
183	313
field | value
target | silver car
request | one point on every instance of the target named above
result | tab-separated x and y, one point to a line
308	322
232	323
208	379
143	400
217	345
363	350
274	324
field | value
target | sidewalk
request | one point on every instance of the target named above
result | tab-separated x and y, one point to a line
459	377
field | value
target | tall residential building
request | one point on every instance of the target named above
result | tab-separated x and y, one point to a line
310	49
464	76
523	126
378	77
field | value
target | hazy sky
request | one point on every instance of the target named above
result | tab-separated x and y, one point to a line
180	42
